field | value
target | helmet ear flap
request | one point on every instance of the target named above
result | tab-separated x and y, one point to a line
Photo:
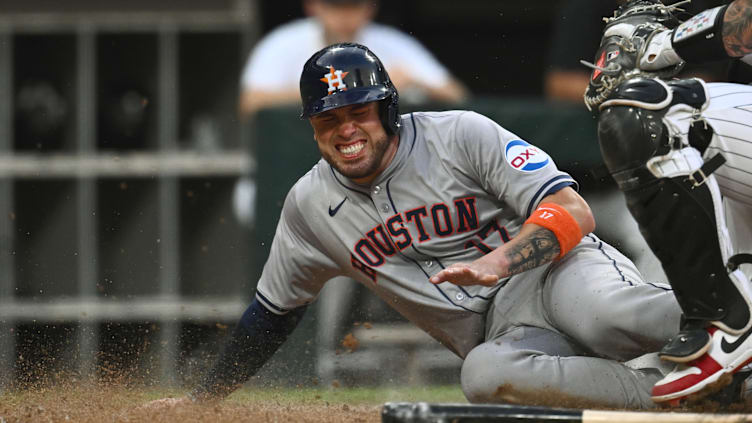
389	112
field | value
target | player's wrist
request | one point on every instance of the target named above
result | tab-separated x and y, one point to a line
558	220
497	267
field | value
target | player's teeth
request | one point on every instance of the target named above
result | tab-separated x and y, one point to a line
352	149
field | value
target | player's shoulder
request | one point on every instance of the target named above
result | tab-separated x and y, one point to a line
452	119
449	130
442	115
459	130
451	114
312	188
310	180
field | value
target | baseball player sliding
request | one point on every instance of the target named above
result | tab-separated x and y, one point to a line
468	231
681	150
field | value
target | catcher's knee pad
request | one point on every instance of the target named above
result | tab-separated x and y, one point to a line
673	197
630	127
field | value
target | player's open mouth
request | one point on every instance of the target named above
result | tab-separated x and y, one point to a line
352	149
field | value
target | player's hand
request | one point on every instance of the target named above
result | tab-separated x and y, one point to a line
659	52
475	273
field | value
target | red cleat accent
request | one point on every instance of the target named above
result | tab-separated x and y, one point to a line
707	374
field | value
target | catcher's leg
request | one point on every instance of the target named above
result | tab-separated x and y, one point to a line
676	202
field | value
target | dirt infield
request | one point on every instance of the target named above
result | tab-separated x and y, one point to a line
76	402
111	404
108	403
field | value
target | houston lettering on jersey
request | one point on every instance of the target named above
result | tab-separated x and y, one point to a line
418	225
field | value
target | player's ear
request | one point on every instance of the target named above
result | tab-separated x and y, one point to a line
314	131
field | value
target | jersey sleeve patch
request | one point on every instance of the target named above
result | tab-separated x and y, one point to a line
525	157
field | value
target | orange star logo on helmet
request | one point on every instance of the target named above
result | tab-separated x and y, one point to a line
335	79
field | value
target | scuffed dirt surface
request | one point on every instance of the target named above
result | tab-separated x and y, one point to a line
112	404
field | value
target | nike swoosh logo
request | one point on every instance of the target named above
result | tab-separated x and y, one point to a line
728	348
333	211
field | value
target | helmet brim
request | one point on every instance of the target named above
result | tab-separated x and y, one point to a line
358	95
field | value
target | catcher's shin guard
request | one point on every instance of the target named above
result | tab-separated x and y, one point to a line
677	205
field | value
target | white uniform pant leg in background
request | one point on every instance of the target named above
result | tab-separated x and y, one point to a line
563	341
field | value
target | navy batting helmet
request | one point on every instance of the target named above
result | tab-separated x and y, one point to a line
344	74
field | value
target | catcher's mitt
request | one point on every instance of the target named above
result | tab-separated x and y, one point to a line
625	37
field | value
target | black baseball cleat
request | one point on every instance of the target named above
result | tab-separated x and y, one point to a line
689	344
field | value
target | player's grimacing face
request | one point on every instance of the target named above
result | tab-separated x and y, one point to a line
353	140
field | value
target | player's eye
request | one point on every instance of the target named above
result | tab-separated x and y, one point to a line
360	111
326	119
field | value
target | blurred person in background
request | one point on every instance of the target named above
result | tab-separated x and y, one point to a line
271	75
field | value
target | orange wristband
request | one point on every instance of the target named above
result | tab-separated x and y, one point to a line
557	219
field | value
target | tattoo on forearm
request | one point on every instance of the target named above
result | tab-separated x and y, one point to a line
538	248
737	28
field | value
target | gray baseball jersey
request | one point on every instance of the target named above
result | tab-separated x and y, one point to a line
459	186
